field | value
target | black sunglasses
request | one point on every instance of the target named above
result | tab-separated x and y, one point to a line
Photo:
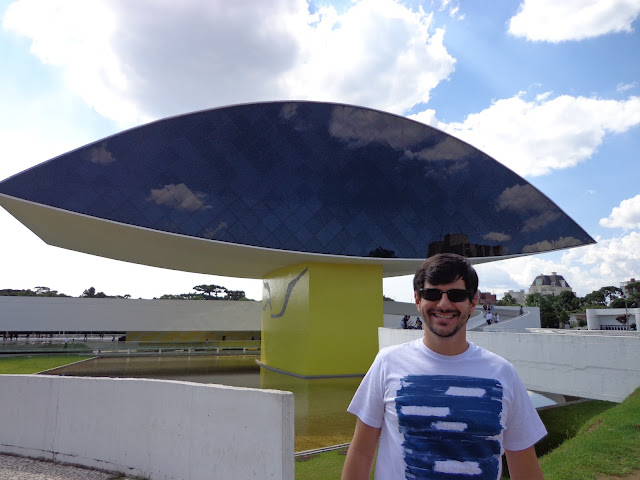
455	295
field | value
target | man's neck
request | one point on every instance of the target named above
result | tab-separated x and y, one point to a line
455	345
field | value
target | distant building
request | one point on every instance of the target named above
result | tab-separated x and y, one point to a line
487	298
627	289
518	296
549	284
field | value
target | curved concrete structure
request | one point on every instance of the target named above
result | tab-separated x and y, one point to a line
321	200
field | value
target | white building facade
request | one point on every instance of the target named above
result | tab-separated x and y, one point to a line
607	318
549	284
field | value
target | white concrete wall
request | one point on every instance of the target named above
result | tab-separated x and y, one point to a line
599	366
598	317
151	428
112	314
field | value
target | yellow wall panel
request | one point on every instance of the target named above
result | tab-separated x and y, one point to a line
321	319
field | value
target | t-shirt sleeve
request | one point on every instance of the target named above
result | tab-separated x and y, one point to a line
368	402
523	425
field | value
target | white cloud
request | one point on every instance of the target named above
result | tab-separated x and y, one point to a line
178	196
609	262
428	117
379	44
135	61
497	237
546	245
101	155
625	87
77	36
558	21
626	215
535	137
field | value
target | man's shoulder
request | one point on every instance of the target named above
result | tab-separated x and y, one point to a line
399	350
493	363
487	355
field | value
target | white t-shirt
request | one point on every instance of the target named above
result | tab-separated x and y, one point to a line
445	417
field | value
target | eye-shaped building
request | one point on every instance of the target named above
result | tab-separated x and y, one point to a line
321	200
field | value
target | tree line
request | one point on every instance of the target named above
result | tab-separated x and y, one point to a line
556	309
202	292
208	292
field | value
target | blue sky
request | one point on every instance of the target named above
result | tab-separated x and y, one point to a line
550	89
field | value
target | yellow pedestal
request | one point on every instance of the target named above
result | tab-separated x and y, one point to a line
321	319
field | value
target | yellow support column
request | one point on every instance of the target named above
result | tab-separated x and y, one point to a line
321	319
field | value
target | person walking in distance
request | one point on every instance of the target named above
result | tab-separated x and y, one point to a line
441	407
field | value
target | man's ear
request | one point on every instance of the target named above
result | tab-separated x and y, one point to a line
474	302
416	297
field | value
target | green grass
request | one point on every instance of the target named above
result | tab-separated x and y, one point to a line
35	364
564	423
585	440
607	444
323	465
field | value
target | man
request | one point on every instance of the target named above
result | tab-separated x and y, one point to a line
442	407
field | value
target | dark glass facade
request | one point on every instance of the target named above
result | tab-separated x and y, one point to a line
308	177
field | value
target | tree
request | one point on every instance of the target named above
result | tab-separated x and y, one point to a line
36	292
507	300
235	295
568	301
596	298
209	290
91	293
562	316
550	317
611	293
619	303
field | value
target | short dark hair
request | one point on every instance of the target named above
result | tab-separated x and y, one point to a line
446	268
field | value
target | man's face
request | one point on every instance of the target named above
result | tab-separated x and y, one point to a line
445	318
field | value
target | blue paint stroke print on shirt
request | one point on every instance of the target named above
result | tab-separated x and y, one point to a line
450	424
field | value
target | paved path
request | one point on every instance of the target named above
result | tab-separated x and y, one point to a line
21	468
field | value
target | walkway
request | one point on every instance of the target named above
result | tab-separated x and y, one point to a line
21	468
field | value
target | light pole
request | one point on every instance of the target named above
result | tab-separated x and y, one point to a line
626	311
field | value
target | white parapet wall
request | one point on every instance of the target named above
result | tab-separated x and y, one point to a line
156	429
113	314
601	366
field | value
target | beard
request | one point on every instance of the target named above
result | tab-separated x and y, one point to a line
462	321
